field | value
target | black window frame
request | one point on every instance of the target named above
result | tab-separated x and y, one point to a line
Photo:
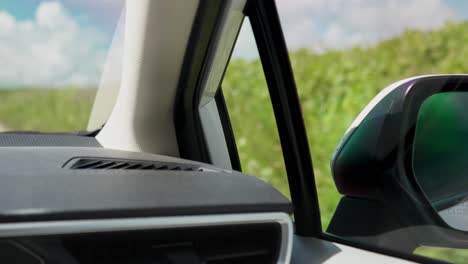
274	57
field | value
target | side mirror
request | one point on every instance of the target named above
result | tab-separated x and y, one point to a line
440	155
405	159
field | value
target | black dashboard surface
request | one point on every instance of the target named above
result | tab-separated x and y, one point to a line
36	186
46	140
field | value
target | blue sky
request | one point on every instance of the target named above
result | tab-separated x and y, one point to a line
461	6
101	15
55	43
65	42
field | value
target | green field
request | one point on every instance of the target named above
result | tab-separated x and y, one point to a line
334	87
51	110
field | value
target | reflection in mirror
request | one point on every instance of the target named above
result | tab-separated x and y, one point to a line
440	155
451	255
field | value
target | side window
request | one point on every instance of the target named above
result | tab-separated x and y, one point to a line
251	114
342	54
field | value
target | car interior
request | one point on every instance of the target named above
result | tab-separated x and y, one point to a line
157	178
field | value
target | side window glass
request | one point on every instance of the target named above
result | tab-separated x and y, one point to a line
251	113
342	54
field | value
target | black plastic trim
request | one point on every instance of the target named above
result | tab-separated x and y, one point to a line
268	34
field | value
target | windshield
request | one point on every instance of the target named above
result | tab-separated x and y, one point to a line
55	56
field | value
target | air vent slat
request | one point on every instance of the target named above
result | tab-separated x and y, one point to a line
148	167
134	166
104	165
119	165
238	255
114	164
86	164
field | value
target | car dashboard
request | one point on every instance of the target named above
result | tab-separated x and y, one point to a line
65	199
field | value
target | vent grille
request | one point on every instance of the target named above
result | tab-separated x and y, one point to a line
115	164
247	244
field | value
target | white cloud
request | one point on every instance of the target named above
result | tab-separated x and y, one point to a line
50	50
51	14
7	23
339	24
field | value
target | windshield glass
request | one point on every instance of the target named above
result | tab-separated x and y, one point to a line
53	56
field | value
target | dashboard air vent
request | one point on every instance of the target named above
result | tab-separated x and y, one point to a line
117	164
246	244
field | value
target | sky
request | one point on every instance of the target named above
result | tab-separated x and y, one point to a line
58	43
323	25
55	43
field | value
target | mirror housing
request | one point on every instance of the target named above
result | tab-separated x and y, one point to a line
373	168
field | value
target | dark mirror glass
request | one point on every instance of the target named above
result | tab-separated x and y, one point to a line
440	155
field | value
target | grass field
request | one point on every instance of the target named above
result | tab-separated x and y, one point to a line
334	87
51	110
